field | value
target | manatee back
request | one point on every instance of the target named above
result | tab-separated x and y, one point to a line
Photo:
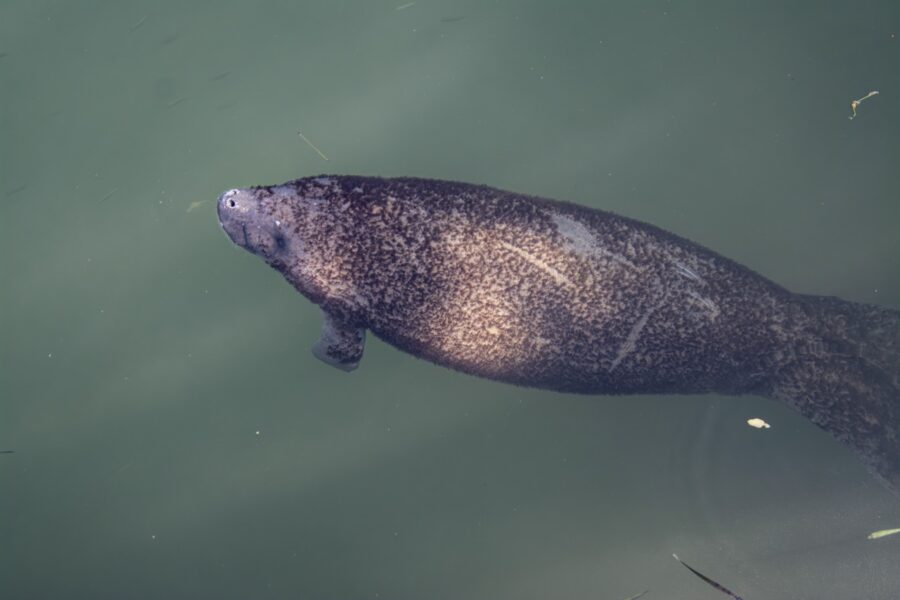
554	295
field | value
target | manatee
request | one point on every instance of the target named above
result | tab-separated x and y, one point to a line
553	295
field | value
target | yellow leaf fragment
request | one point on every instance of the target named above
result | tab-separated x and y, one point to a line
882	533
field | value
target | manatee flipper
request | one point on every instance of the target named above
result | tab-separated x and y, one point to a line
340	345
844	375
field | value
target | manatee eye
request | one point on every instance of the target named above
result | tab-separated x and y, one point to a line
280	242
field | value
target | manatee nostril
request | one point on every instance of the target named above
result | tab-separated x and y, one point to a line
227	198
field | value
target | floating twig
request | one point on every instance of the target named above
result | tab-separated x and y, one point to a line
711	582
109	194
405	6
636	596
311	145
854	104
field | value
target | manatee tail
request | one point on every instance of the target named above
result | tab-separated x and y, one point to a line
842	371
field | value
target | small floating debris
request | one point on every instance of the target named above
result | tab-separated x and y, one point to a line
758	423
455	20
109	194
882	533
16	190
176	102
220	76
311	145
7	451
137	25
636	596
711	582
196	204
405	6
854	104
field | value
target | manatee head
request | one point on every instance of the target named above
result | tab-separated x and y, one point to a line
295	228
250	218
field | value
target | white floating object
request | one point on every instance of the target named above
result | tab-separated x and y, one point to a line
758	423
880	534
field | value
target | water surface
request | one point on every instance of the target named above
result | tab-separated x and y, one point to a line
175	437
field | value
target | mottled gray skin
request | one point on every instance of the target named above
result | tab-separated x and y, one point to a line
558	296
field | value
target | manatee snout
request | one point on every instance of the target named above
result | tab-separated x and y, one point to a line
235	209
242	217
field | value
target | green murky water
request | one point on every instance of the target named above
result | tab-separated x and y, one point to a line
175	438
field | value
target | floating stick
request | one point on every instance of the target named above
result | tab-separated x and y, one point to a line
109	194
311	145
715	584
